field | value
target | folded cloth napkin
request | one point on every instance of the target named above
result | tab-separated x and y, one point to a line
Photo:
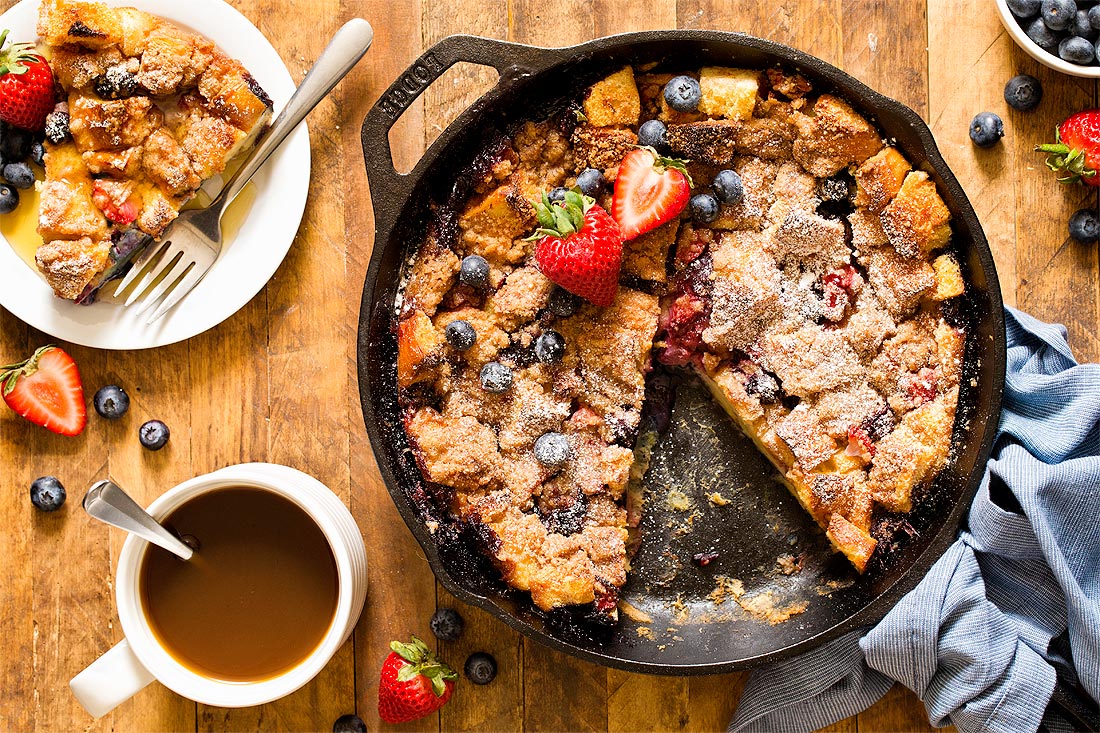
982	637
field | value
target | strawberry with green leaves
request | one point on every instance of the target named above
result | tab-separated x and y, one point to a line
26	86
1075	153
649	191
46	389
413	683
579	246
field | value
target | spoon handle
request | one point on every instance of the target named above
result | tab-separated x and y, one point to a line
108	503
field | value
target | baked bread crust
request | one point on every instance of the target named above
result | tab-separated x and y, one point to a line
814	318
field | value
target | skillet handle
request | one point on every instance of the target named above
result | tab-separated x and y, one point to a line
388	187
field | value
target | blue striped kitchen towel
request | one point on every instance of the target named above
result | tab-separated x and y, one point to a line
982	637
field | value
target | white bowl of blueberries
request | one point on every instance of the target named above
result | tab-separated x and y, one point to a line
1061	34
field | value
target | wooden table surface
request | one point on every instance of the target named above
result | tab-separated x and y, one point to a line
277	382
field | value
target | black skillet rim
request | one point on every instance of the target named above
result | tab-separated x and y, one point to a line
389	191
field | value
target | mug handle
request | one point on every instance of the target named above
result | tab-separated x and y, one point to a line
110	680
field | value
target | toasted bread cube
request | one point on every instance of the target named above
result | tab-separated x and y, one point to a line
114	163
167	164
746	290
707	141
806	437
164	62
950	348
833	136
729	93
949	279
867	231
520	298
912	453
136	28
646	256
758	177
916	221
98	124
419	349
794	189
158	210
805	236
614	100
66	211
771	138
454	451
810	360
898	282
601	147
857	544
69	266
233	93
210	142
75	68
490	226
84	24
433	274
879	179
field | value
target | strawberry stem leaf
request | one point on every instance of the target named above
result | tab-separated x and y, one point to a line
11	373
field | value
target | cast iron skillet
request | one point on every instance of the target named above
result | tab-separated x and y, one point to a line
702	452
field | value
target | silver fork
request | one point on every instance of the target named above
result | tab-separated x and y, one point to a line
192	243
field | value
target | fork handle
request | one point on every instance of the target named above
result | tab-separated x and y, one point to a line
343	51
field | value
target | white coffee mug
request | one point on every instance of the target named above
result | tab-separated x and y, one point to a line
139	658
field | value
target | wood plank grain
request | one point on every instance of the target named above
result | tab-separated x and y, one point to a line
966	75
401	596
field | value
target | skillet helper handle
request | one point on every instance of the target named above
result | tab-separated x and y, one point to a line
505	57
345	49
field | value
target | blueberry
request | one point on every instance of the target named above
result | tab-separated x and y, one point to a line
38	154
153	434
15	145
9	199
1024	92
57	127
1024	8
986	129
474	271
116	83
704	208
495	377
460	335
552	449
728	187
349	724
589	181
1076	50
1084	226
1058	14
683	94
47	493
19	175
447	624
557	194
111	402
653	134
1094	17
1044	37
550	347
836	189
1081	26
563	303
480	668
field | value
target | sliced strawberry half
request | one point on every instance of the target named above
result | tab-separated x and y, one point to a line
649	191
46	389
116	200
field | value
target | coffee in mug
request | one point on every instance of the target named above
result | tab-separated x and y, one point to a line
255	599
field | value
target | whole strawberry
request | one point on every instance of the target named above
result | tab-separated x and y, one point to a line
649	191
579	247
26	86
46	389
413	683
1075	153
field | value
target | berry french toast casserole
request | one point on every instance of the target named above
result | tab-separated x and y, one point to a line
148	112
737	224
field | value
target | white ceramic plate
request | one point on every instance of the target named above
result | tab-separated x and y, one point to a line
246	263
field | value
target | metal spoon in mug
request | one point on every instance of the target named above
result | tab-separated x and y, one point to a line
107	502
